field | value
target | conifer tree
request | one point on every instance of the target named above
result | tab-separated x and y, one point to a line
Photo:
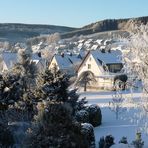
54	127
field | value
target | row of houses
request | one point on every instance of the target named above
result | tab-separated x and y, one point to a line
104	65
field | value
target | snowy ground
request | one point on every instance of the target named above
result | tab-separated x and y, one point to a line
118	128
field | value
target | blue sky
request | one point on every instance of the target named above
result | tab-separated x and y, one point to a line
74	13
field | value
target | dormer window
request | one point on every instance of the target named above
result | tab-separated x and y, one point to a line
114	67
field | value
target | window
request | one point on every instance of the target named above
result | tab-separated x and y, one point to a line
90	59
114	67
89	66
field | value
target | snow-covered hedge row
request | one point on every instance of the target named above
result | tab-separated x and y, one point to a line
91	114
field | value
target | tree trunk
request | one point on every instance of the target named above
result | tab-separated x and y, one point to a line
85	86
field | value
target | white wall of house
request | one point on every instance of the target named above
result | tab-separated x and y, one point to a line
3	67
66	69
98	71
90	65
53	64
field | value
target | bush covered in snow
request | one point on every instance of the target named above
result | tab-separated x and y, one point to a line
123	140
106	142
88	132
89	114
82	116
95	116
101	142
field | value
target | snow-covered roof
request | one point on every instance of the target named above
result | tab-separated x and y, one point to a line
94	47
12	58
80	45
66	61
88	45
9	58
107	41
113	57
82	53
99	41
81	41
35	57
107	57
88	41
102	47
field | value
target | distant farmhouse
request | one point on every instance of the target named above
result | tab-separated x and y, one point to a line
105	65
67	63
9	59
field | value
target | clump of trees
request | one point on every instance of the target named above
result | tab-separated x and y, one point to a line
52	38
54	127
56	110
136	65
42	102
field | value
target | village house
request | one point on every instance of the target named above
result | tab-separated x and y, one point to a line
94	47
9	59
105	65
67	63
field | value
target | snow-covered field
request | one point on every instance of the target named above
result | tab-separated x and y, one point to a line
118	128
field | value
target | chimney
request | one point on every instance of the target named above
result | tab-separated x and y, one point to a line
103	50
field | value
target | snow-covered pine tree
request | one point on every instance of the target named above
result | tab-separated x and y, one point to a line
54	127
26	68
15	88
56	109
10	89
53	86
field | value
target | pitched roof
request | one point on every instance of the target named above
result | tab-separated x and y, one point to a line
67	61
107	57
12	58
112	57
9	58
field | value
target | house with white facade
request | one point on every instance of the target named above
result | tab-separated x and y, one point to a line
67	63
105	66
